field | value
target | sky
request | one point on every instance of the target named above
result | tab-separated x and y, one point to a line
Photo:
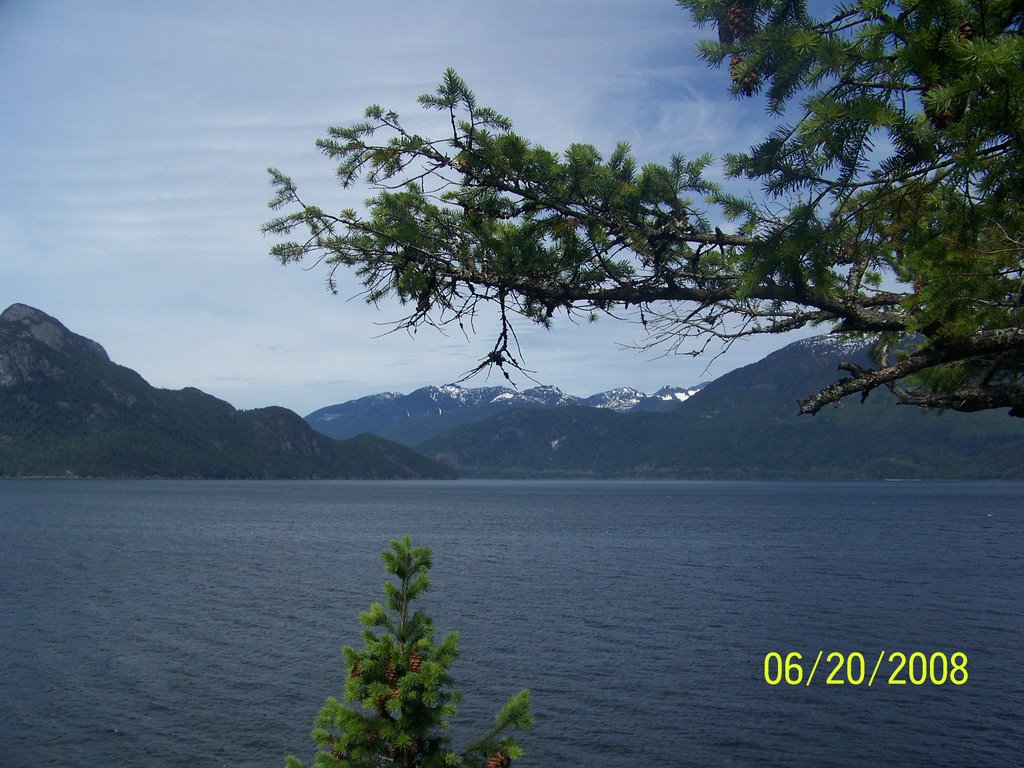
135	138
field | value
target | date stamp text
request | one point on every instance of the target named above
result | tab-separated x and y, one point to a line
888	668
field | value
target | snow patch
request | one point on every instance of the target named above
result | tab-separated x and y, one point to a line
829	343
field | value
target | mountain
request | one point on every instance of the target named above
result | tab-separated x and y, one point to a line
422	414
628	400
67	410
744	425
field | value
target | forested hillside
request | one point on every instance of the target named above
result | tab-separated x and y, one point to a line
67	410
746	425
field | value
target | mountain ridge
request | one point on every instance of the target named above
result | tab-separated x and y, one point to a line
744	425
67	410
425	412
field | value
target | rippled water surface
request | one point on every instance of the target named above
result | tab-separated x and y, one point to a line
151	623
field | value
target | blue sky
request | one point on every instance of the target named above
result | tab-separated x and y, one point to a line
136	138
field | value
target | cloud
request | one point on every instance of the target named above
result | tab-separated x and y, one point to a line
137	137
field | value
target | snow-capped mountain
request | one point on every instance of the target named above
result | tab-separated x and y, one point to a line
625	399
421	414
621	399
828	344
743	425
677	394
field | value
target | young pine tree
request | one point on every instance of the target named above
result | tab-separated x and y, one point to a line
398	697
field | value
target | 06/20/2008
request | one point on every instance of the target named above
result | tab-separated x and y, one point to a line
916	668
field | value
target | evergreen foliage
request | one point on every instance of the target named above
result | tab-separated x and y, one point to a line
890	206
399	696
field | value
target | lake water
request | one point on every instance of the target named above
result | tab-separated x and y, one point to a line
152	623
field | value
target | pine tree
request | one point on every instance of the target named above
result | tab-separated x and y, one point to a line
399	695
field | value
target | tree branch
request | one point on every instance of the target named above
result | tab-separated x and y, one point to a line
966	398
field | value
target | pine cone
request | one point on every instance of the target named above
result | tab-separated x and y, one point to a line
382	706
395	694
940	119
738	22
390	674
499	760
725	35
966	31
747	82
415	662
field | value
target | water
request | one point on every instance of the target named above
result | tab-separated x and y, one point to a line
198	623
